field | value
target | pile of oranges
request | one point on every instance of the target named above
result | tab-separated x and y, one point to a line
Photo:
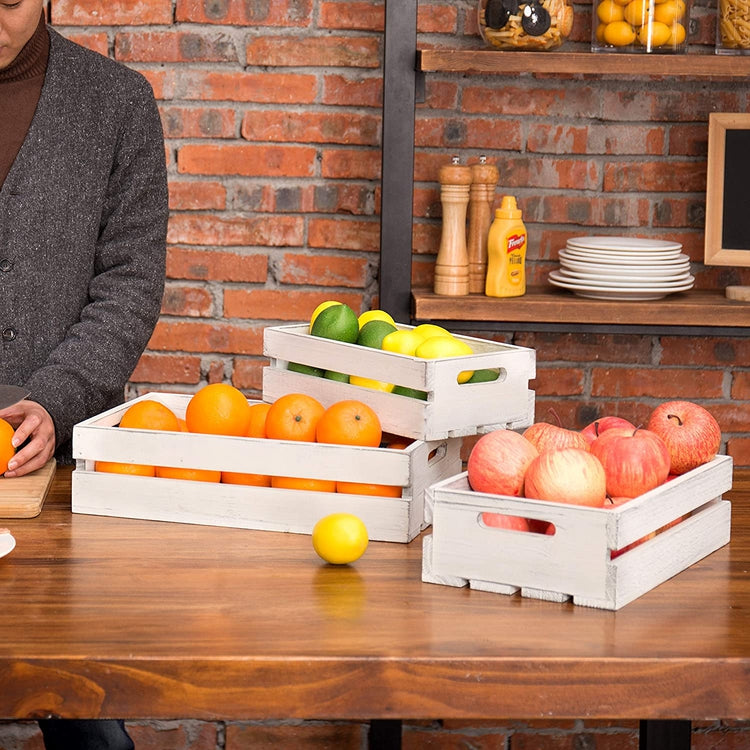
222	409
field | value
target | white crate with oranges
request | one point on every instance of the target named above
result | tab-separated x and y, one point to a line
600	522
450	387
169	474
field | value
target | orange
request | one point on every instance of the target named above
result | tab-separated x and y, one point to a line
113	467
293	417
238	477
218	409
150	415
362	488
301	483
258	413
196	475
6	447
349	422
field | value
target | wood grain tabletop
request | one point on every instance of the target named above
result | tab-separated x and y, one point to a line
114	617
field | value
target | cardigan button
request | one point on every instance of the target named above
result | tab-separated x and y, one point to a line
5	265
9	334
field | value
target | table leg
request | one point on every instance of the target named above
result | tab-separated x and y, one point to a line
384	734
664	735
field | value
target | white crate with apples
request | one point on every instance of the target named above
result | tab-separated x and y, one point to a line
451	409
391	519
670	528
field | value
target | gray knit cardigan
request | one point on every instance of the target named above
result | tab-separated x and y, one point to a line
83	221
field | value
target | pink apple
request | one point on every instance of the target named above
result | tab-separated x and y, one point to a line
598	426
501	521
691	433
550	437
635	461
569	475
498	462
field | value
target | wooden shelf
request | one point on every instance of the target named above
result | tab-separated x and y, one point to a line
592	63
696	309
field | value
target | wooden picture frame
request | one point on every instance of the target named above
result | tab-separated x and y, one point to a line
727	239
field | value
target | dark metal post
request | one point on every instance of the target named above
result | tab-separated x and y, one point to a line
384	734
664	735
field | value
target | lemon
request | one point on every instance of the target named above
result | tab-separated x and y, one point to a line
366	317
322	306
484	376
426	330
403	341
655	34
438	347
340	538
608	11
669	12
376	385
636	12
337	322
619	34
373	332
678	35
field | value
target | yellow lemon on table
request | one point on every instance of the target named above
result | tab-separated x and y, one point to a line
439	347
337	322
402	341
376	385
340	538
322	306
366	317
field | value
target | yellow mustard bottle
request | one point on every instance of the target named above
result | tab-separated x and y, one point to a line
506	252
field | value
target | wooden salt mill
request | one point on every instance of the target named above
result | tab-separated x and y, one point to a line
452	265
484	179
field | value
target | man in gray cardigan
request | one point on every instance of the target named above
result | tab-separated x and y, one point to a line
83	217
83	212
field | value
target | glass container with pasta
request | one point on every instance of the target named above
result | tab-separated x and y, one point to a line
525	24
733	27
657	26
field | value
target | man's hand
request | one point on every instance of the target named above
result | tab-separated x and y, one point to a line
32	423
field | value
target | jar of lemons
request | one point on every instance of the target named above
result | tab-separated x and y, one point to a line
640	26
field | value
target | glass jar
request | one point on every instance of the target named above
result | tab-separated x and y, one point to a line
640	26
534	25
733	27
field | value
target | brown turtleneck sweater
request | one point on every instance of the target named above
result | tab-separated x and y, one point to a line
20	87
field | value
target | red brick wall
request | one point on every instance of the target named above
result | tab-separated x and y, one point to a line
272	117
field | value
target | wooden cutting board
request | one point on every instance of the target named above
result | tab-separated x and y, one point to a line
23	497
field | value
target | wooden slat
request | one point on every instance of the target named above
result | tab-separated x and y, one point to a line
488	61
548	305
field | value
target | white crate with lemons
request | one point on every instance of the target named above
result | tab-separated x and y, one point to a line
423	381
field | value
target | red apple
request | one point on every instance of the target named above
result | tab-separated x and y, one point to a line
635	461
501	521
569	475
691	433
498	462
550	437
598	426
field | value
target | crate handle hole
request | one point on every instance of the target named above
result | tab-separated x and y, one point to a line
437	453
515	523
486	376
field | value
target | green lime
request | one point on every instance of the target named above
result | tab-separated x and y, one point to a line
341	377
373	332
305	369
337	322
402	390
484	376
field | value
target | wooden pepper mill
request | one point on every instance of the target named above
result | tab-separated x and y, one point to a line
484	179
452	265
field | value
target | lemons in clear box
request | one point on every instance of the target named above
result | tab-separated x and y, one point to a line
617	33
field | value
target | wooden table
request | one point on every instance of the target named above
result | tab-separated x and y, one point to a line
109	617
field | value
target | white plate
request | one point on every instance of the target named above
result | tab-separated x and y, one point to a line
644	257
7	543
664	286
644	271
625	244
623	260
623	280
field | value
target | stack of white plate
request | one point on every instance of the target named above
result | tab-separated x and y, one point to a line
622	268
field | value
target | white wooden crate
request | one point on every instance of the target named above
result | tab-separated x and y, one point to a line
575	562
387	519
451	409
